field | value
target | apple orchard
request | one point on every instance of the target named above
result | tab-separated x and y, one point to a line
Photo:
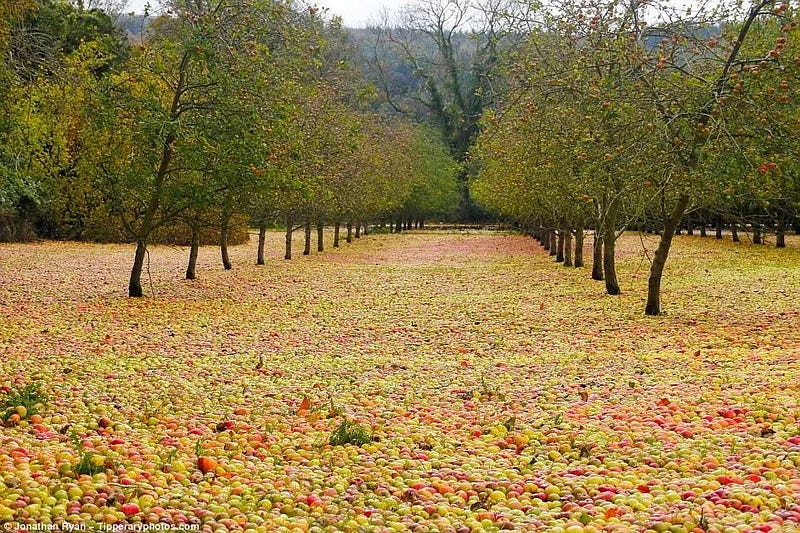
617	352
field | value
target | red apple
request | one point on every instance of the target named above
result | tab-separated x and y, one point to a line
129	509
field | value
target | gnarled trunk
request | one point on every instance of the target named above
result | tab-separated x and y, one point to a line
320	238
194	249
579	247
223	244
289	230
567	248
653	307
735	232
610	265
780	233
597	256
135	282
349	237
358	230
609	248
560	247
307	233
262	238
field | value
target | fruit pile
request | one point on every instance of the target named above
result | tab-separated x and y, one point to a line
423	382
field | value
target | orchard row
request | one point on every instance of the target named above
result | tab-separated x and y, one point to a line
647	116
218	115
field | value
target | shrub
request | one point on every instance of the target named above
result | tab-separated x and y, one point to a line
349	433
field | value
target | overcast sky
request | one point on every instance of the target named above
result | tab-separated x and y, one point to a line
355	13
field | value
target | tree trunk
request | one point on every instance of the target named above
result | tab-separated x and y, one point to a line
560	247
366	229
579	247
689	226
223	244
567	247
422	223
391	226
718	228
288	254
398	225
609	248
149	220
757	239
307	248
135	283
553	242
703	230
320	238
349	232
609	264
653	307
545	239
191	270
358	230
735	232
336	228
262	238
780	233
597	256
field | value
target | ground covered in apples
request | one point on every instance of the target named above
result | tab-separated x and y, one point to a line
421	381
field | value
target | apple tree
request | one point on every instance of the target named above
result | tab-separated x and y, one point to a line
181	89
691	71
760	181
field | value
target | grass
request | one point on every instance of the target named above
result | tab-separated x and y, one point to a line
90	463
28	397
